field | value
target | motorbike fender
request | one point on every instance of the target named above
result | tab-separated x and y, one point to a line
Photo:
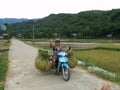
65	65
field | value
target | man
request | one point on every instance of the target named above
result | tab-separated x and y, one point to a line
55	48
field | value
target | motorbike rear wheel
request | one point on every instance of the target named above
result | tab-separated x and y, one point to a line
66	74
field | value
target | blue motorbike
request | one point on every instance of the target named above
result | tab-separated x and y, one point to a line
62	65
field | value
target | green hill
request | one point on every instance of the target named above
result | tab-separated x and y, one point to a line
11	20
87	24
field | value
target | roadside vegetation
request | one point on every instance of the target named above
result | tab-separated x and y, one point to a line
4	44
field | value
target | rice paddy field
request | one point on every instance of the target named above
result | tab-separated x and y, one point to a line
115	47
107	59
104	56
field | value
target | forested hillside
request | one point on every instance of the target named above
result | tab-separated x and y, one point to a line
87	24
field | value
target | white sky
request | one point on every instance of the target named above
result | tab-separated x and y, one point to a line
41	8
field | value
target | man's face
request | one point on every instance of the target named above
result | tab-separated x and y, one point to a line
57	43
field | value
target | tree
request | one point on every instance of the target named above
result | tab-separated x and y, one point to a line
88	24
1	31
9	30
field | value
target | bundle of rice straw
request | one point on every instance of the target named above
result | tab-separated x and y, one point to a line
72	61
42	61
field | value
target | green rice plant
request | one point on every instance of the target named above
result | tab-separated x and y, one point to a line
106	59
114	47
109	60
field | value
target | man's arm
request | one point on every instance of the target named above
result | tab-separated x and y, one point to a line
68	48
51	43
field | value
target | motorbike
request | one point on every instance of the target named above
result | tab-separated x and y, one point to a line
62	65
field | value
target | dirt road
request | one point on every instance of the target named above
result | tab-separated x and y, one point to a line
74	45
22	75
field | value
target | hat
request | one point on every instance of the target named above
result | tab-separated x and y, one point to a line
57	41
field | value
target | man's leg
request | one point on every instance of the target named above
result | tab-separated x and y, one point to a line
54	64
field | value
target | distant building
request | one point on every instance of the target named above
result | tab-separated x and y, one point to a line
109	36
74	35
1	37
19	35
5	35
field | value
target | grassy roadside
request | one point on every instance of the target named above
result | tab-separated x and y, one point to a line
3	68
3	63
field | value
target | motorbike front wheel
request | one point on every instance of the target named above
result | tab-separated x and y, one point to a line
66	74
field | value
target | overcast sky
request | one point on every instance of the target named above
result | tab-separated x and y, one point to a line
41	8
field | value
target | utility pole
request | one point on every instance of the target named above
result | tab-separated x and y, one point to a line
33	30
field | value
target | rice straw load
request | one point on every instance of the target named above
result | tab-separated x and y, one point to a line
42	61
72	62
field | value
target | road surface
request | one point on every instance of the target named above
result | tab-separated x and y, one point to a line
22	74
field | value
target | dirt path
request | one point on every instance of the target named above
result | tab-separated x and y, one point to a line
74	45
22	74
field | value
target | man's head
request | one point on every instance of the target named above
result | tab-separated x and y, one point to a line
57	42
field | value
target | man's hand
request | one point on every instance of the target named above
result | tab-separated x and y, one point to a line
68	48
105	87
51	40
